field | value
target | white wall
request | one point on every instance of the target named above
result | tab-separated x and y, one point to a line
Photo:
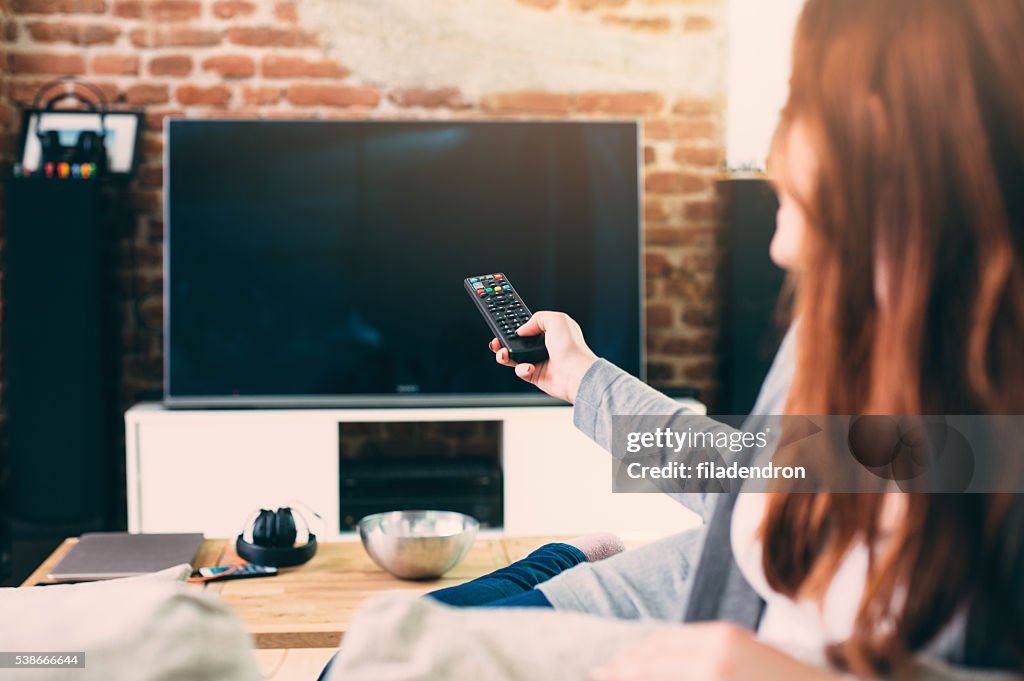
760	42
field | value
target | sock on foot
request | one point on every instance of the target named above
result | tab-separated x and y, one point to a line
598	545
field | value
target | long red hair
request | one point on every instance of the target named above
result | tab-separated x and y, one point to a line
910	297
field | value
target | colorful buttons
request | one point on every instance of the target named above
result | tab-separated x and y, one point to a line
499	276
489	289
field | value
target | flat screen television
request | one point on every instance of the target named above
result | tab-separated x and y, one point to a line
320	263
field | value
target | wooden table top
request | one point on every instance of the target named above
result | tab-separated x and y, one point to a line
309	607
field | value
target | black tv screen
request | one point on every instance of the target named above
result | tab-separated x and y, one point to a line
321	262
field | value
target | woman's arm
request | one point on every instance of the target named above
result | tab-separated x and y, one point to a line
602	391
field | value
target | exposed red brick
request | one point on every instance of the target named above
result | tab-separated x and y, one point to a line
230	65
697	345
654	209
295	115
539	4
152	145
151	176
175	65
115	64
656	264
59	6
446	97
260	95
230	113
700	210
231	9
702	260
697	105
700	371
151	309
698	24
78	34
158	10
661	236
587	5
194	95
47	62
145	94
287	12
155	119
528	102
691	290
659	316
675	182
270	36
332	95
658	24
175	36
709	157
680	129
22	91
649	155
699	318
620	103
284	66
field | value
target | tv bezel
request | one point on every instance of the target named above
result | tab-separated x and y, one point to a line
384	400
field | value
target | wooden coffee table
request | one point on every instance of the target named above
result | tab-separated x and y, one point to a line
309	607
298	618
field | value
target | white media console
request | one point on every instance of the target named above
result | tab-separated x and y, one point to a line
205	470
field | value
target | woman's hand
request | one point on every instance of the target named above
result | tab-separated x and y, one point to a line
568	355
712	651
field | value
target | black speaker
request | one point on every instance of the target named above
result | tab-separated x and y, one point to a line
61	355
751	284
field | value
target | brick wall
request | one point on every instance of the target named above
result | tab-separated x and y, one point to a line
658	60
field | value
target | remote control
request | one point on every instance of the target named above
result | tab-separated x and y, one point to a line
505	312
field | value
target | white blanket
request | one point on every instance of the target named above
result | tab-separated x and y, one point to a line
398	638
395	637
136	629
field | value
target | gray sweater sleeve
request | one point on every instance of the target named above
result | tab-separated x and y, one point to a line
607	391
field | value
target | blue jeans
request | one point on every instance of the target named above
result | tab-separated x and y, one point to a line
509	587
513	586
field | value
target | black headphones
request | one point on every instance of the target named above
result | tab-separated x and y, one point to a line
270	539
90	145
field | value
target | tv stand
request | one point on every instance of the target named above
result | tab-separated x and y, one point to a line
206	469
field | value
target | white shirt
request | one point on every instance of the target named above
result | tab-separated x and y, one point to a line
802	624
805	627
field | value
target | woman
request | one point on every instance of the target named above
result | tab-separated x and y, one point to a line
900	166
